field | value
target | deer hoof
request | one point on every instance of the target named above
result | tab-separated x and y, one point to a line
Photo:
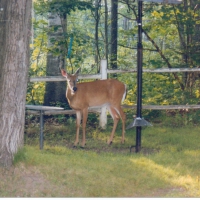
83	145
109	142
123	141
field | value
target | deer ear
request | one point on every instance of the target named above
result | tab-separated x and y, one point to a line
77	71
64	73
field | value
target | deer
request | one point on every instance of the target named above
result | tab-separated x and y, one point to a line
81	96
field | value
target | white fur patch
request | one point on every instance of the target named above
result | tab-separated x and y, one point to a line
124	95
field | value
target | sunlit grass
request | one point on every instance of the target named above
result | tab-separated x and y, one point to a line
167	166
90	174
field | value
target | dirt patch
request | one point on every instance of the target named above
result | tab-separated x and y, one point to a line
115	149
20	181
168	192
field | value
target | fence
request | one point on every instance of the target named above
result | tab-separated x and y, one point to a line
103	75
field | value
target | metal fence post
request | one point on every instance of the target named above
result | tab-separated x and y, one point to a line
41	129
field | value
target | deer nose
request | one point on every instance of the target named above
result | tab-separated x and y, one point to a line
74	88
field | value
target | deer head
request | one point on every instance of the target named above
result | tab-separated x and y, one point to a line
71	79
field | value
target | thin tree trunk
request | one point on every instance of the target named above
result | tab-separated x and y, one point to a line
97	3
114	33
106	29
14	63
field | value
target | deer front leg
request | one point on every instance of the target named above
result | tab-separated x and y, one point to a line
85	116
78	122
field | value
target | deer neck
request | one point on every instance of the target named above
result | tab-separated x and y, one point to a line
70	94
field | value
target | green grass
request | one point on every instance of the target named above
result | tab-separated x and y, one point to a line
167	166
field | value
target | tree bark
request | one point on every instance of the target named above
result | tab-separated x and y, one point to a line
106	29
97	18
114	33
14	65
55	92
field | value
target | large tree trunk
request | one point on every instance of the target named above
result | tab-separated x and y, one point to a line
55	91
14	64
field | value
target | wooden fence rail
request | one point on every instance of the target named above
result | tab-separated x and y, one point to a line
103	75
97	109
109	71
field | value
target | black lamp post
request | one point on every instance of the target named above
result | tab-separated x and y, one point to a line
139	77
139	121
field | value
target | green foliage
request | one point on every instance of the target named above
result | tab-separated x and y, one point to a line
35	91
174	25
170	27
63	7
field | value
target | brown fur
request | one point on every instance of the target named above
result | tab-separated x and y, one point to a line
97	93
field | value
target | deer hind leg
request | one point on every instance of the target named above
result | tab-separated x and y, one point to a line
116	118
78	122
85	116
116	114
123	118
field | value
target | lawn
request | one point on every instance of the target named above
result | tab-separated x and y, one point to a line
167	166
